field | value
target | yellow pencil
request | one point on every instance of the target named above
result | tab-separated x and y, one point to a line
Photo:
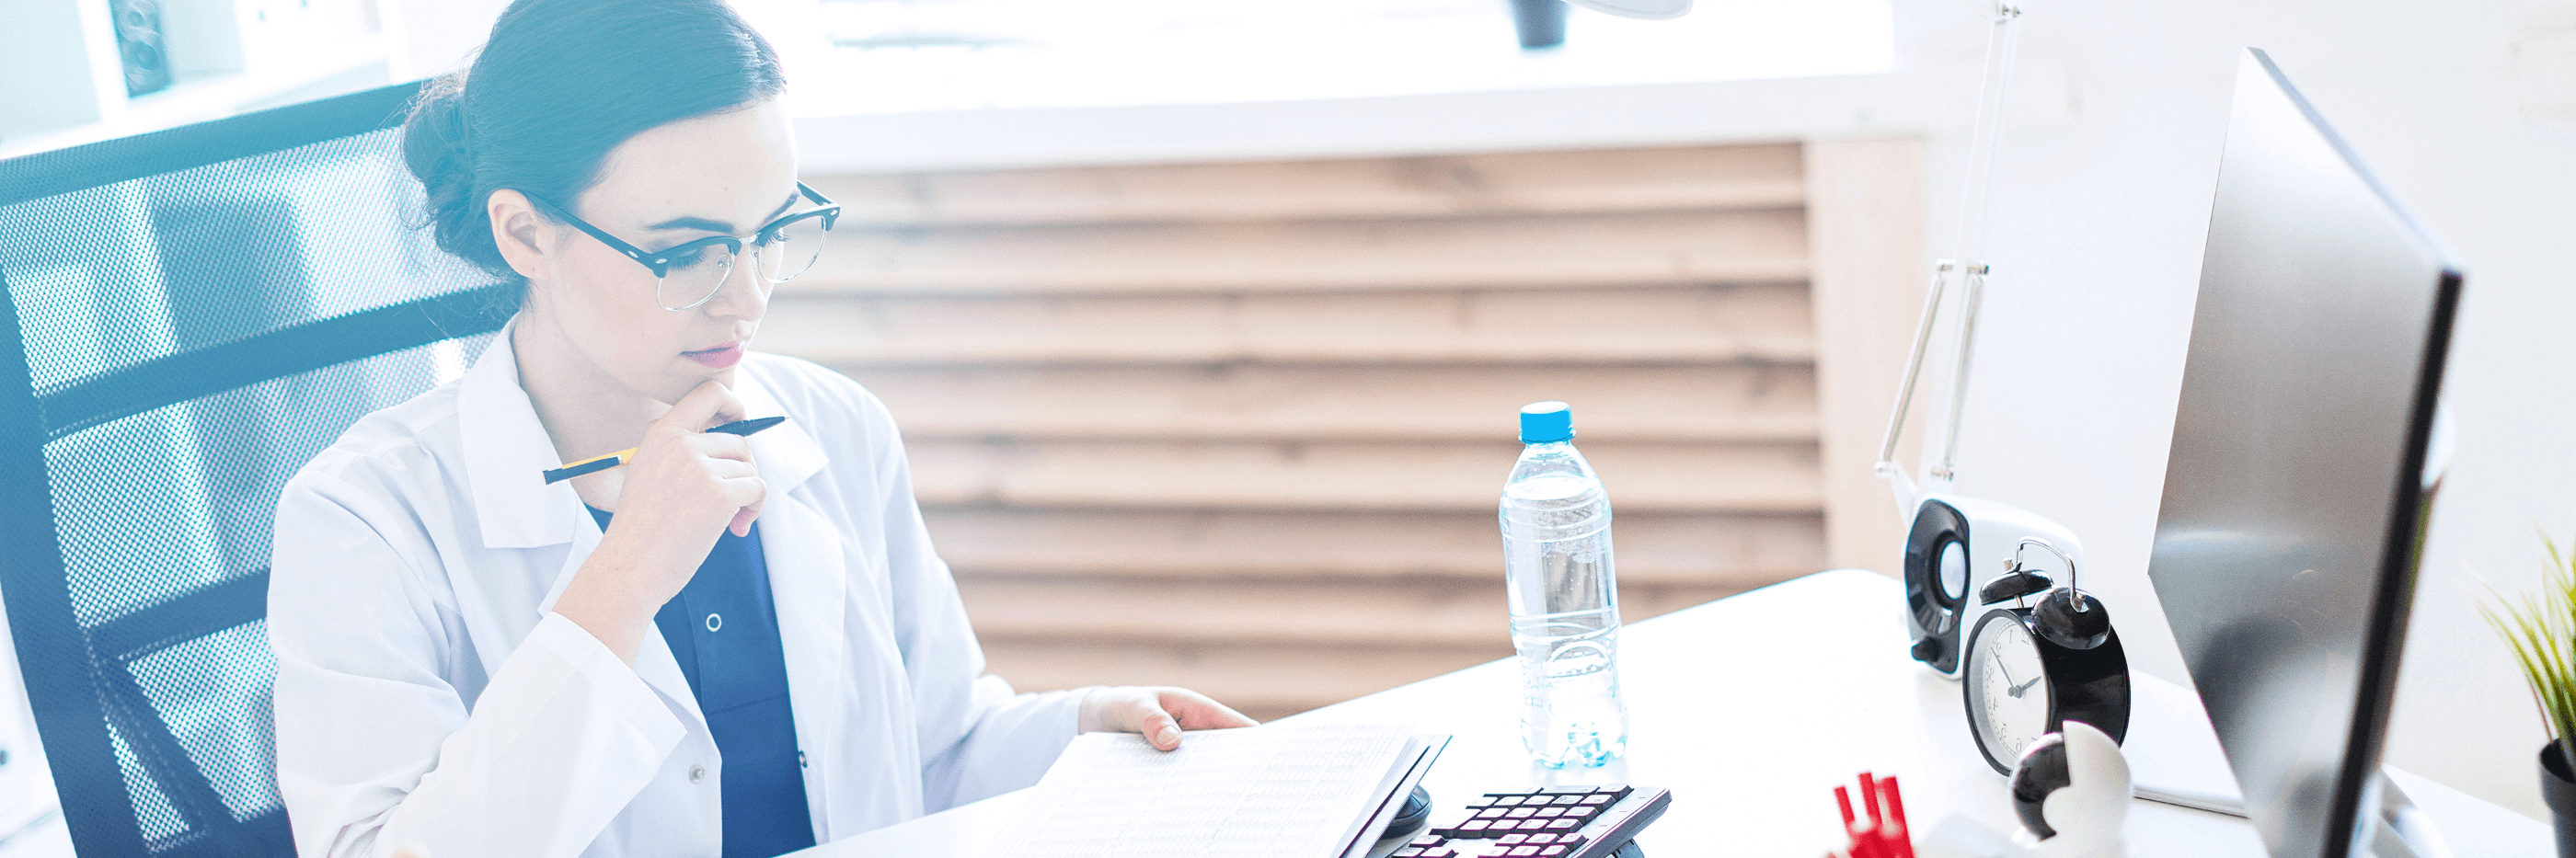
596	464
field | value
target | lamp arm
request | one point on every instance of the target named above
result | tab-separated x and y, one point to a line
2002	44
1887	467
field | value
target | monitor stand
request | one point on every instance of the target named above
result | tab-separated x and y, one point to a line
2399	829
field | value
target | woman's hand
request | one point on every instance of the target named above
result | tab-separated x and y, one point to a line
682	490
1159	713
685	484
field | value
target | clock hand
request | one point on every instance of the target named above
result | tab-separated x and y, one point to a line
2018	689
2007	669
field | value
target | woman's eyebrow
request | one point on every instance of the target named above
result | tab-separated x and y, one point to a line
715	226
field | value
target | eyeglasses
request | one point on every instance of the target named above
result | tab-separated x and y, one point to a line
692	271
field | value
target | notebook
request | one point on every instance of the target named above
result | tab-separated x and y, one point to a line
1279	791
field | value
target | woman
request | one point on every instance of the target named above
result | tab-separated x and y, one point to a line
745	645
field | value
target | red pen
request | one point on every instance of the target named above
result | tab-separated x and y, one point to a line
1859	847
1877	834
1902	836
1886	834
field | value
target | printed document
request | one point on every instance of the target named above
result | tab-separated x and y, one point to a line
1257	792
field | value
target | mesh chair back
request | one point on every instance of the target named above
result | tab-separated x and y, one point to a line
189	317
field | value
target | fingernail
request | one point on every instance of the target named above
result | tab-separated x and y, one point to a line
1169	736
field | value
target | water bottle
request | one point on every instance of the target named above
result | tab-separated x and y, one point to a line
1564	594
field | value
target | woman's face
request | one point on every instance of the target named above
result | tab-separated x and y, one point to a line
723	174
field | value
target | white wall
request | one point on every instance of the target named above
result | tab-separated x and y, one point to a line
2100	207
2101	247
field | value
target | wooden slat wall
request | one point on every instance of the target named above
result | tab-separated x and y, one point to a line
1242	427
1865	228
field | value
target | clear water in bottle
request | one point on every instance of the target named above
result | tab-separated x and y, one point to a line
1564	596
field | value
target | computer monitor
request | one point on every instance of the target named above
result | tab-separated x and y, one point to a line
2297	489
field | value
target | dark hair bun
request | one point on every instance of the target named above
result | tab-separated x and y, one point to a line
436	149
558	85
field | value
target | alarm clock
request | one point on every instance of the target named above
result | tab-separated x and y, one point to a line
1941	559
2029	669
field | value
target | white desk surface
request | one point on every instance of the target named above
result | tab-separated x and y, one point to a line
1751	710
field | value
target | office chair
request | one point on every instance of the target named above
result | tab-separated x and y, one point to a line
186	317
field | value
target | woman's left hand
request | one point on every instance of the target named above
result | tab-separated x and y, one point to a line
1159	713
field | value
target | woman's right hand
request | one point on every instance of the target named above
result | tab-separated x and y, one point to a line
683	488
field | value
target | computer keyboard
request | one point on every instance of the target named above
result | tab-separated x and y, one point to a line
1548	822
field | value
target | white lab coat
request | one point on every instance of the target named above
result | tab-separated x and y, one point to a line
427	693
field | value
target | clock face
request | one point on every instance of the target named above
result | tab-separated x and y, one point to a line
2007	688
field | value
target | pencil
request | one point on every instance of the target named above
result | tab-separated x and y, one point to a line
596	464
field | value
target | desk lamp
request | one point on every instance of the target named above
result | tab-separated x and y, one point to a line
1949	531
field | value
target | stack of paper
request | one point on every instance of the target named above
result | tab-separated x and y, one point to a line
1260	792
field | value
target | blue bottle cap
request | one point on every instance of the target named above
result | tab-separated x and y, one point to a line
1546	422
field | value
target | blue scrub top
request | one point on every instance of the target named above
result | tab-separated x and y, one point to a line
723	627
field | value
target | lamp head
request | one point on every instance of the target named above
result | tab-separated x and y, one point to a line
1648	9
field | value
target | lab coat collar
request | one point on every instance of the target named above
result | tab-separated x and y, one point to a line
507	451
785	454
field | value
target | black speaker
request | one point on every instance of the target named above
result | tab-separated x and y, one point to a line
138	41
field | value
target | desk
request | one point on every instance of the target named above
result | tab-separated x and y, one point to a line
1751	709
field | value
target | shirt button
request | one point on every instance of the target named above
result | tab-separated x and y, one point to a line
800	759
697	774
714	622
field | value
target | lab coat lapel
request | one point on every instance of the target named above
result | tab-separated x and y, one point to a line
807	574
809	570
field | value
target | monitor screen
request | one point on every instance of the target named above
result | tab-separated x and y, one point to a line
2286	544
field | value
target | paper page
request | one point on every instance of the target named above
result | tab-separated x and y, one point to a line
1419	754
1258	792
